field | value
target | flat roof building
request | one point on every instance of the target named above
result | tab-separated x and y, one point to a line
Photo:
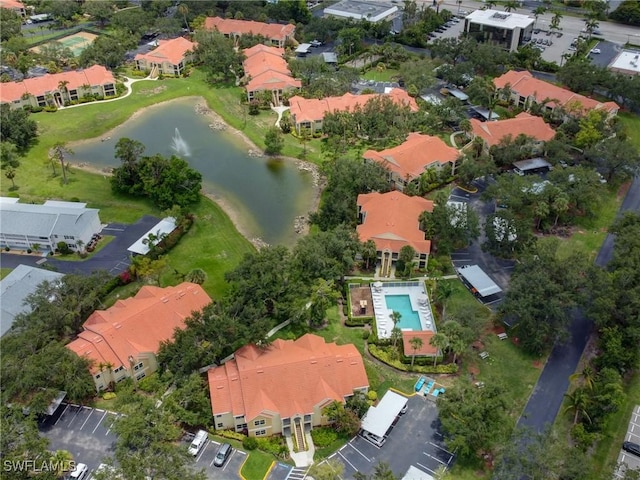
358	10
626	62
506	29
480	283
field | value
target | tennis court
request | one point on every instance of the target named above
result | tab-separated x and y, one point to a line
76	42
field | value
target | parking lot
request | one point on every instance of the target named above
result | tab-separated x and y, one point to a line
627	460
83	431
413	440
229	471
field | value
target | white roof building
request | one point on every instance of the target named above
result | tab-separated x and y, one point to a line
626	62
23	225
361	10
378	420
506	29
16	287
162	228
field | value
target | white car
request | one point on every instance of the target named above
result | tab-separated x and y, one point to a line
595	50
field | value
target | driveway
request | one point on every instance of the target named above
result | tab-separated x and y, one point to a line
547	396
498	269
84	432
627	460
414	440
114	257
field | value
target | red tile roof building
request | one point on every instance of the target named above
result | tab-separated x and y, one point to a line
309	112
168	58
58	88
275	33
14	5
521	124
266	391
123	340
266	69
391	220
408	161
426	350
525	90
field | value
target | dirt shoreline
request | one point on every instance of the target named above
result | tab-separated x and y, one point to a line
217	123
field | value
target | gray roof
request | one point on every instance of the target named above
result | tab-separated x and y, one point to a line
330	57
16	287
44	220
378	419
479	280
532	164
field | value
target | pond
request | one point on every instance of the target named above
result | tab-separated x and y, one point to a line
262	196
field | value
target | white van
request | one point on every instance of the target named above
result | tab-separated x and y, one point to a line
79	472
198	442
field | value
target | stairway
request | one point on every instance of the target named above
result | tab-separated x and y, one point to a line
299	435
154	72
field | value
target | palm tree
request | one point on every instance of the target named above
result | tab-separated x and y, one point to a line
490	4
183	10
444	290
35	247
395	318
197	275
591	26
62	86
416	343
587	375
57	153
396	334
537	12
440	341
457	346
10	173
80	244
555	21
578	403
61	461
510	6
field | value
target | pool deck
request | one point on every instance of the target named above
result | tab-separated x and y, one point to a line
419	303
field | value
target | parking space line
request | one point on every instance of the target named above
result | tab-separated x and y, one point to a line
345	459
62	414
425	467
111	423
202	451
365	457
100	422
75	416
87	419
229	460
443	449
436	459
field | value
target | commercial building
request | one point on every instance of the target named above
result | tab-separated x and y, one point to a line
122	341
409	160
309	112
170	57
283	387
391	220
626	62
16	287
275	34
265	69
41	227
359	10
58	89
505	29
524	89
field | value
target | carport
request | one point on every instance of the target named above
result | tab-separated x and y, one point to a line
378	420
484	113
303	49
162	228
531	165
479	282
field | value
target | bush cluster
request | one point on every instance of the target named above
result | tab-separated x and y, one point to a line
232	435
384	356
323	436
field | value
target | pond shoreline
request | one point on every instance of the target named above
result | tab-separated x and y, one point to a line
217	123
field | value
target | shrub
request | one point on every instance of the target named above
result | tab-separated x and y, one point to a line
254	107
365	334
63	248
74	199
51	108
274	445
109	396
28	250
250	443
372	395
232	435
6	248
323	436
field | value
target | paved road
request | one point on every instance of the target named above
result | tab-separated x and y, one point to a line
114	257
546	399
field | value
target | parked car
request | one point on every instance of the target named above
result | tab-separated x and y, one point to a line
315	43
404	409
80	472
222	455
595	50
631	448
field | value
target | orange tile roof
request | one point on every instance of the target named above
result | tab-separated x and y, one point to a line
138	324
12	4
287	377
229	26
172	51
525	85
391	220
96	75
523	123
426	349
415	155
312	109
267	69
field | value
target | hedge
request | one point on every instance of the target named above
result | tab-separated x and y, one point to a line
384	357
231	434
358	321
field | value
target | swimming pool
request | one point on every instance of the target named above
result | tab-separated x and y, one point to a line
402	303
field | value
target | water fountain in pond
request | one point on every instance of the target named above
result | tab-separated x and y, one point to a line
179	145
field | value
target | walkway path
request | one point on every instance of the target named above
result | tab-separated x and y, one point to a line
279	110
127	83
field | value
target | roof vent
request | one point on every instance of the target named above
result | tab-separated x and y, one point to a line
165	299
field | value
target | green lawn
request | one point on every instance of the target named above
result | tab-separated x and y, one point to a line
4	272
74	257
257	463
632	124
387	75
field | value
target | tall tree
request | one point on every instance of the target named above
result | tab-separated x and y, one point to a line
10	24
57	153
220	61
440	341
16	127
416	344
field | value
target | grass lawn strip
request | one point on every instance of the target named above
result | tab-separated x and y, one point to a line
257	463
4	272
74	257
